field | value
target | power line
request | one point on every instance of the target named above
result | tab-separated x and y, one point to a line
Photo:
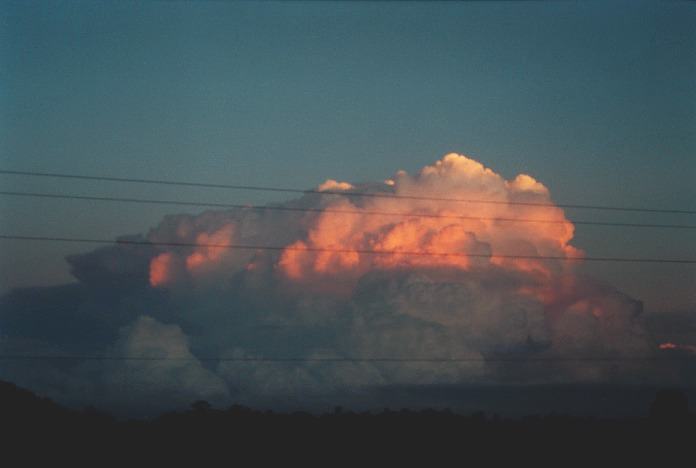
351	251
338	211
53	357
335	192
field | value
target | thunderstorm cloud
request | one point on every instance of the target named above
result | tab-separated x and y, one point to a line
355	295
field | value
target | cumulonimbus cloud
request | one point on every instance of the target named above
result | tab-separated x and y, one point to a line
413	302
406	315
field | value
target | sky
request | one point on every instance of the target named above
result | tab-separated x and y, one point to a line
595	100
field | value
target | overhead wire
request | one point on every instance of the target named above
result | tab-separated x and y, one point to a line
347	193
123	241
348	359
335	210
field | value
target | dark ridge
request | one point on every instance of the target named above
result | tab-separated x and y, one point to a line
202	430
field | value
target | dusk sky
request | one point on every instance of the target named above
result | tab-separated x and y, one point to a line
594	100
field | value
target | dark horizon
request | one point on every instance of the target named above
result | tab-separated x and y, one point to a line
202	431
667	404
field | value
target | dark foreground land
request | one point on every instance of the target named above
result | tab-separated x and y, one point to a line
39	428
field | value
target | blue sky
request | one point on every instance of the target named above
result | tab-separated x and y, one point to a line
594	99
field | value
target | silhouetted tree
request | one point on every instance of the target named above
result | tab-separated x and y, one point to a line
201	406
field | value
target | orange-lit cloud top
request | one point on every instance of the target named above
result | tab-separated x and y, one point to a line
454	177
162	269
206	253
171	267
333	185
673	346
460	228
